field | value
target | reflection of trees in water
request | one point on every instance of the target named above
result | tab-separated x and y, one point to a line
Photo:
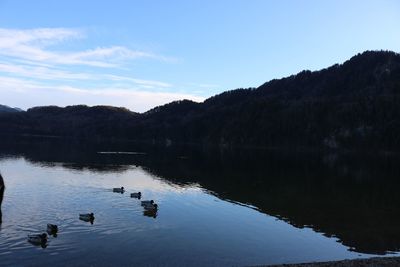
69	154
2	187
352	198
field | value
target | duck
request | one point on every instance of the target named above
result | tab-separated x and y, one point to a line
37	238
52	228
119	190
147	202
152	207
86	217
136	195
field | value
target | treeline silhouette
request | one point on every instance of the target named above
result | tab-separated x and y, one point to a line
4	108
352	105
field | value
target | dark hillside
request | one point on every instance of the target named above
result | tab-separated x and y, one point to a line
352	105
8	109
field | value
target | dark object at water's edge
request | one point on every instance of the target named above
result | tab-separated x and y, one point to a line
2	187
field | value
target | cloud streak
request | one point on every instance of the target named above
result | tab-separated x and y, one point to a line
45	73
35	45
41	72
37	68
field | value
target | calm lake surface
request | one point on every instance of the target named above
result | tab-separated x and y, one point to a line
216	208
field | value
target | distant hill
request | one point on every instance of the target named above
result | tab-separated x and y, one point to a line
98	122
4	108
351	105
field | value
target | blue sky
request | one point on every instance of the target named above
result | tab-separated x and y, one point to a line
140	54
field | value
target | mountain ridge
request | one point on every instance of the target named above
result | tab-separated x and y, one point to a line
5	108
351	105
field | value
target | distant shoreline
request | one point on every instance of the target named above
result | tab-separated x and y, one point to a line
298	149
376	261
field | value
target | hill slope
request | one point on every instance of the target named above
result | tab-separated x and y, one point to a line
4	108
355	104
352	105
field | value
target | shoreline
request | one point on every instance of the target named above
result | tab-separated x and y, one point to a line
369	262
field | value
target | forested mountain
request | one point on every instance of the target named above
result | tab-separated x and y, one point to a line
352	105
4	108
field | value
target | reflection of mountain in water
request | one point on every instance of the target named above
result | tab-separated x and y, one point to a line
352	198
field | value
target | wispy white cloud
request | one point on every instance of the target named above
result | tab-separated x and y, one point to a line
46	73
114	51
145	83
36	68
41	72
38	37
36	44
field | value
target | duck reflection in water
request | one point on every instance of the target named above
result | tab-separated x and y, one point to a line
42	244
150	213
2	187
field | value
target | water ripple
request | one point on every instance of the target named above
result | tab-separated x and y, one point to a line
191	227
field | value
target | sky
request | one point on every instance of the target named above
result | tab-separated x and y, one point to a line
140	54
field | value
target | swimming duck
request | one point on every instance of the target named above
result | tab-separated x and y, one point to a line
152	207
147	202
119	190
52	228
37	238
87	217
136	195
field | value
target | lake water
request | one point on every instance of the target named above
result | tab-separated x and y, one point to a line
216	208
